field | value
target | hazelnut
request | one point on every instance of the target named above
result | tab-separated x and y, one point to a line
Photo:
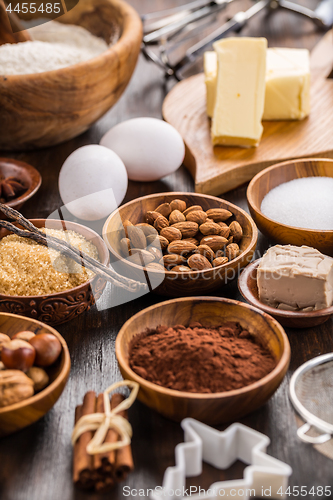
48	348
25	335
18	355
39	377
3	339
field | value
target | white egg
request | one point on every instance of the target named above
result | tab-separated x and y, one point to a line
150	148
92	182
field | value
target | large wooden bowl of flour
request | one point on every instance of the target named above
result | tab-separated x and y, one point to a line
43	109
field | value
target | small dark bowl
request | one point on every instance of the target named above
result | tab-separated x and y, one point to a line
25	173
247	284
60	307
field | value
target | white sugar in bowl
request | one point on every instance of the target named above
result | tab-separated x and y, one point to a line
92	182
150	148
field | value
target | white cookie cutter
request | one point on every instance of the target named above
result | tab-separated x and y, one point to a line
264	474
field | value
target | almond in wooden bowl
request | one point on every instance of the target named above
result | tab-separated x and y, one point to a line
60	307
183	239
25	412
212	408
247	284
276	175
44	109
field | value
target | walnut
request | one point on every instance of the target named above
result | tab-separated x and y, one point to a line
39	377
14	387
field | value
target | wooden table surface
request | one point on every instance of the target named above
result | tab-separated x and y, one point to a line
36	463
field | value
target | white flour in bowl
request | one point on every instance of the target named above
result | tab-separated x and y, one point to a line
55	45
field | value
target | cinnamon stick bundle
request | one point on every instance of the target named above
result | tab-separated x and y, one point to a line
101	471
83	463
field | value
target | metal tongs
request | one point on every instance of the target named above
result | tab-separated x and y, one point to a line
168	29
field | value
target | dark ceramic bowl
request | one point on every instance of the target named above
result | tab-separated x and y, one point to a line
63	306
25	173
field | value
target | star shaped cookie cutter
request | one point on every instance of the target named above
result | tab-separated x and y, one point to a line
264	474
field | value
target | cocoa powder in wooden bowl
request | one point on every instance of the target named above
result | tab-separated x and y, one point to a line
211	312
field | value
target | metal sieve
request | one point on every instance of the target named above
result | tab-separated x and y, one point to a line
311	393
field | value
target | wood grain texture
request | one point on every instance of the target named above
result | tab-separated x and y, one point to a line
247	284
171	283
28	411
219	169
211	312
44	109
272	177
36	462
60	307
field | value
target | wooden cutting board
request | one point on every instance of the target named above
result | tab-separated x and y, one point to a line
219	169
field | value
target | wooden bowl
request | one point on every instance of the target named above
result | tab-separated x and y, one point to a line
247	284
273	176
210	311
44	109
25	173
63	306
28	411
187	283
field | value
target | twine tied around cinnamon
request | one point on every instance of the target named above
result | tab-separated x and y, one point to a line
102	422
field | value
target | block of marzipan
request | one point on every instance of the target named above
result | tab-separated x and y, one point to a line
287	93
240	91
287	84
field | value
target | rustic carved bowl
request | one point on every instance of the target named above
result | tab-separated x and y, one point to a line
272	177
44	109
210	311
25	173
63	306
187	283
247	284
19	415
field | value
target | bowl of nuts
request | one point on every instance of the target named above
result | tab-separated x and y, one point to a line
180	243
34	369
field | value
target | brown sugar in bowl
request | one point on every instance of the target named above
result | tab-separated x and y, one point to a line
214	408
44	109
19	415
60	307
183	283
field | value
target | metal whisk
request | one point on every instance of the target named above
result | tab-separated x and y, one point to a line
166	30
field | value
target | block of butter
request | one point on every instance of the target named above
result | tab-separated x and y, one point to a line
210	69
287	90
287	84
295	278
240	91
